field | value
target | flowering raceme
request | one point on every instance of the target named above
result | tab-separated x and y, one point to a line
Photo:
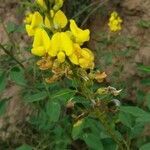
115	22
55	44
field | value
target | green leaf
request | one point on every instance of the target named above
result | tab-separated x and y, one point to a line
109	144
30	98
141	115
63	95
3	82
20	28
126	119
145	146
146	82
77	129
24	147
144	24
148	100
17	75
136	130
133	110
140	96
53	111
144	118
144	68
93	141
3	106
11	27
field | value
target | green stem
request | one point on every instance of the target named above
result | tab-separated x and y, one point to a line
104	120
8	53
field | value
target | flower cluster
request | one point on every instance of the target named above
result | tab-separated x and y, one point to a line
115	22
53	40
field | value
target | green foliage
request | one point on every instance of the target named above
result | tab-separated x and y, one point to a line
24	147
145	146
93	141
17	75
63	95
143	68
53	110
12	28
34	97
144	24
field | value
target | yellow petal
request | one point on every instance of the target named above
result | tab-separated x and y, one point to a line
33	21
83	63
46	40
47	22
41	3
74	59
41	39
87	59
38	51
55	44
29	30
80	35
37	38
86	53
58	4
36	20
61	42
60	20
61	57
66	44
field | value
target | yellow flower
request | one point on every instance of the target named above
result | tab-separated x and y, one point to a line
82	57
60	42
115	22
80	36
33	21
87	59
58	4
60	20
74	58
61	57
41	43
41	3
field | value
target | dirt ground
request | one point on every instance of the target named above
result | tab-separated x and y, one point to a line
130	10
